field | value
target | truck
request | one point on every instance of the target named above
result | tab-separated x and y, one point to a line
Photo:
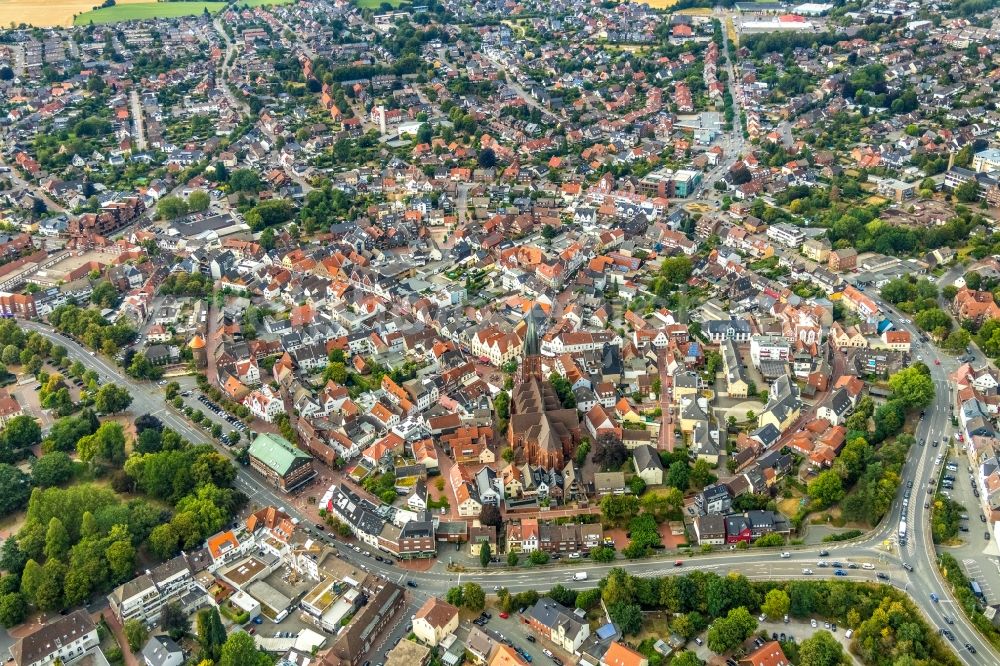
580	575
902	530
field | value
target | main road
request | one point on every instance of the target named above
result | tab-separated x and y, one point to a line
918	552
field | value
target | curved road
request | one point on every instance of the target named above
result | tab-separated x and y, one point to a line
918	552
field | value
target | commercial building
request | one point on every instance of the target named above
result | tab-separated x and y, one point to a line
280	462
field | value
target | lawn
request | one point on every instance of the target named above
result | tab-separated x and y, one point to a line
376	4
262	3
147	10
658	4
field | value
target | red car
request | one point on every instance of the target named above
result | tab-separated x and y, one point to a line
937	361
504	615
679	563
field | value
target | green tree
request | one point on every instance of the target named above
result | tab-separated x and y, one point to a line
171	207
198	201
174	621
473	597
775	604
538	557
618	509
588	599
239	650
602	554
49	593
701	475
679	475
912	386
770	540
512	559
729	632
111	399
957	340
211	633
163	541
933	319
628	617
31	578
57	541
968	192
455	596
135	634
676	270
244	180
686	658
52	469
826	488
22	432
121	560
15	489
822	649
104	295
105	445
485	554
13	609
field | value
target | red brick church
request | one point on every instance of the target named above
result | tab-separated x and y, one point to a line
542	432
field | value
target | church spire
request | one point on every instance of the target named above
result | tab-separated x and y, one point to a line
531	335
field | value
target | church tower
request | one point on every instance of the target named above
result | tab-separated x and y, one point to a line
531	366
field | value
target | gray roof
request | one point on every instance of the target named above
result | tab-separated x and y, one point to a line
358	513
158	650
554	615
646	457
728	327
62	631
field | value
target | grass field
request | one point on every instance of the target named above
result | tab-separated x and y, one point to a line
146	10
658	4
262	3
375	4
46	14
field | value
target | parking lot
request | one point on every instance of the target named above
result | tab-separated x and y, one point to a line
977	554
517	632
214	413
794	630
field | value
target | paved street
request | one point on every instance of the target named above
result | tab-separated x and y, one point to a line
755	565
137	120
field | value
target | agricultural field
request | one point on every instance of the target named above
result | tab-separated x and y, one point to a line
376	4
146	10
262	3
48	14
658	4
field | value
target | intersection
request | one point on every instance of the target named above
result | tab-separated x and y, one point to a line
753	563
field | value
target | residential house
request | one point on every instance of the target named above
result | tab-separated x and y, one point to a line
556	623
435	620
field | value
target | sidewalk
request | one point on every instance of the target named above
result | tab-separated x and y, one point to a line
116	628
